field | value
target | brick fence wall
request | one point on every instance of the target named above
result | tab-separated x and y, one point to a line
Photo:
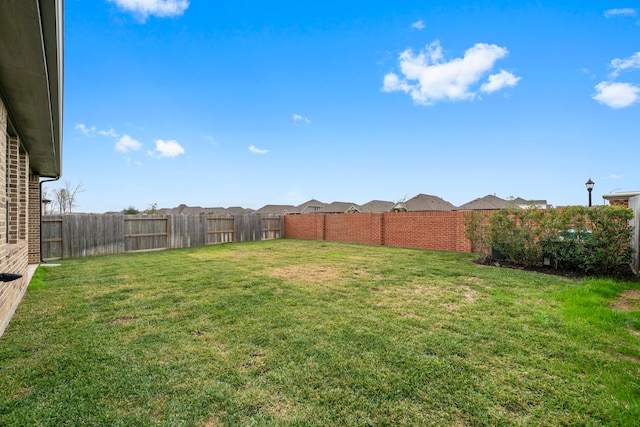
426	230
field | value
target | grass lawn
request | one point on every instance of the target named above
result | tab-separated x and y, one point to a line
291	332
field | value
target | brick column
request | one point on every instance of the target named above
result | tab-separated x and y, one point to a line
34	219
23	195
13	189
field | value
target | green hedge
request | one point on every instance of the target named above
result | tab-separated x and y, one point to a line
596	239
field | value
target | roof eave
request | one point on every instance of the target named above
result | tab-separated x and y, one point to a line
31	79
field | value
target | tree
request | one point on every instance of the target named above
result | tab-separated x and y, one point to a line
152	209
65	198
45	201
131	210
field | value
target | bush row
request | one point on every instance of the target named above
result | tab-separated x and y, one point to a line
595	239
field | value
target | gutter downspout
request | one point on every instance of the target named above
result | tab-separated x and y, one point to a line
40	209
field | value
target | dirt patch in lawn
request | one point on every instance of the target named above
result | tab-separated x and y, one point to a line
467	293
305	273
124	320
628	301
629	358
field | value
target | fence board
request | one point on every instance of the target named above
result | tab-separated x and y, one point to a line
247	228
145	233
92	235
220	230
187	231
271	228
83	235
51	237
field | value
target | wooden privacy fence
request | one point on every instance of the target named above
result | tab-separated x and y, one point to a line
85	235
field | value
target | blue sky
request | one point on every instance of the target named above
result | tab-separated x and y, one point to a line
247	103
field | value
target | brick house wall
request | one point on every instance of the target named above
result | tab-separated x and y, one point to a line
17	195
441	230
621	198
624	203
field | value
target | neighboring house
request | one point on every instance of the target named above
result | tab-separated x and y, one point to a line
399	207
426	202
275	210
488	202
339	207
377	206
620	198
526	204
491	202
310	206
183	209
31	76
217	211
238	210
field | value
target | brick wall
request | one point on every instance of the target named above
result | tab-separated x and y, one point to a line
426	230
14	245
619	202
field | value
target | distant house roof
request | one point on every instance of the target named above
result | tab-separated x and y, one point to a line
487	202
310	206
183	209
426	202
521	203
377	206
275	209
339	207
312	202
490	202
217	211
238	210
540	204
191	210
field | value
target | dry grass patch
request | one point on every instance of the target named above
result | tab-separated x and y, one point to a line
213	422
629	358
628	301
305	273
124	320
467	295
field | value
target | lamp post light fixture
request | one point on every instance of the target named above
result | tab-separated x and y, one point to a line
590	185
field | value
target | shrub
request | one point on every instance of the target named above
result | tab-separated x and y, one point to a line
475	230
596	239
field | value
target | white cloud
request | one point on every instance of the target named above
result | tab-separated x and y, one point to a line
614	176
256	150
298	118
84	129
418	25
89	131
620	12
428	78
619	64
109	132
210	139
126	144
616	95
160	8
167	148
499	81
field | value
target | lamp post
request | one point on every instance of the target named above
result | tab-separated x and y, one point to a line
590	185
